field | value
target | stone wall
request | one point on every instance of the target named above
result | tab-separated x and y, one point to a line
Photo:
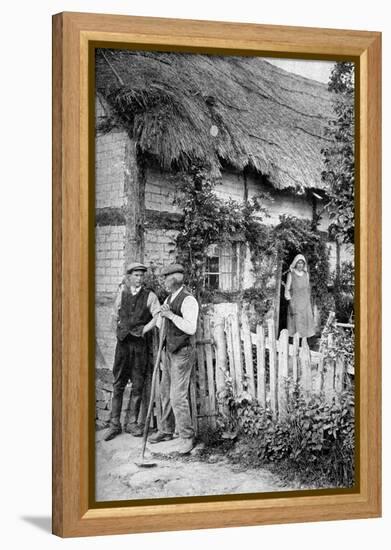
109	257
110	170
160	246
109	166
103	395
159	192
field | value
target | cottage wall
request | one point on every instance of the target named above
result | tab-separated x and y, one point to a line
116	174
159	197
110	169
160	247
159	192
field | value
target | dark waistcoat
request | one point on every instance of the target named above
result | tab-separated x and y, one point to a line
176	339
133	312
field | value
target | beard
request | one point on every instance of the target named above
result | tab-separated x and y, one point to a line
172	286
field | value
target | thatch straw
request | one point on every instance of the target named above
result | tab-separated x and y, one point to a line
268	119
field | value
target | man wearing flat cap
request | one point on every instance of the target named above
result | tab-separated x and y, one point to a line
181	313
133	316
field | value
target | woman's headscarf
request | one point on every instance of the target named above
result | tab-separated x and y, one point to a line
296	259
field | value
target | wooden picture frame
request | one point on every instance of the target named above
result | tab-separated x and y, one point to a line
73	34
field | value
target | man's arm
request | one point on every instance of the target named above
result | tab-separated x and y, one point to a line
189	310
153	305
117	305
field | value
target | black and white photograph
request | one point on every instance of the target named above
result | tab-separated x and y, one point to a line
224	275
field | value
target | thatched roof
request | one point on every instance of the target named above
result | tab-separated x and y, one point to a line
268	120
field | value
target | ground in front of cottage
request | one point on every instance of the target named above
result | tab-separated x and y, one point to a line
119	478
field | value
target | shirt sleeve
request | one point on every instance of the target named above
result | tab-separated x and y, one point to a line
117	302
188	322
153	304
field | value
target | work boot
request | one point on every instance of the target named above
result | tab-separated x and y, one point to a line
134	429
112	432
185	446
158	437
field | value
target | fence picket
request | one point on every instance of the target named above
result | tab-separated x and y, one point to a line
295	365
328	385
248	354
230	349
273	369
282	374
201	373
193	399
220	352
305	364
209	370
237	352
261	379
318	377
339	374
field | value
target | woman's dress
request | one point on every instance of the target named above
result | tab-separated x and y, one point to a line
300	317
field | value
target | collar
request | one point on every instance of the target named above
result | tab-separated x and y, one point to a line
134	290
173	296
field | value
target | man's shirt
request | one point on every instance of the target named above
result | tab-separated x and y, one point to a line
189	310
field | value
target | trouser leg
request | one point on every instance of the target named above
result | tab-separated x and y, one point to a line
181	366
138	371
121	376
168	420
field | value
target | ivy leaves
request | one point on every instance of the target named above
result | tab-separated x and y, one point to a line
209	219
338	171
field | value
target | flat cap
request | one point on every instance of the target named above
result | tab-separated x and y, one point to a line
135	266
172	268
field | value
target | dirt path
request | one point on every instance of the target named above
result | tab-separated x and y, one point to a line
119	478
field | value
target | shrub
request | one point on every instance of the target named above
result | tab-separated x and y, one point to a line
315	440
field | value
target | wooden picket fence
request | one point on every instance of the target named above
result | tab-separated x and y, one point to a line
257	363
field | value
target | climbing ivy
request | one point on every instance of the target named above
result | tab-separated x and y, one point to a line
208	219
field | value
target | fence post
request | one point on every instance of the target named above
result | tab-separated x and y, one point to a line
261	382
248	354
282	374
305	361
272	366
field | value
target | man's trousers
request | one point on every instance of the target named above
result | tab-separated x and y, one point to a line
130	363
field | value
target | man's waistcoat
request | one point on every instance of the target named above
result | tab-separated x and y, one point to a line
133	312
176	339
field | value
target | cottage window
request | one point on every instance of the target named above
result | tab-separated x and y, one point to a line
222	267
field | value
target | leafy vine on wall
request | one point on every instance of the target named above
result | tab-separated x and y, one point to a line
209	219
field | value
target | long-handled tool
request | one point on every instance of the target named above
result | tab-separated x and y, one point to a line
142	462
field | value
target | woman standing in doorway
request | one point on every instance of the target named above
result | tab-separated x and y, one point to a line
298	293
